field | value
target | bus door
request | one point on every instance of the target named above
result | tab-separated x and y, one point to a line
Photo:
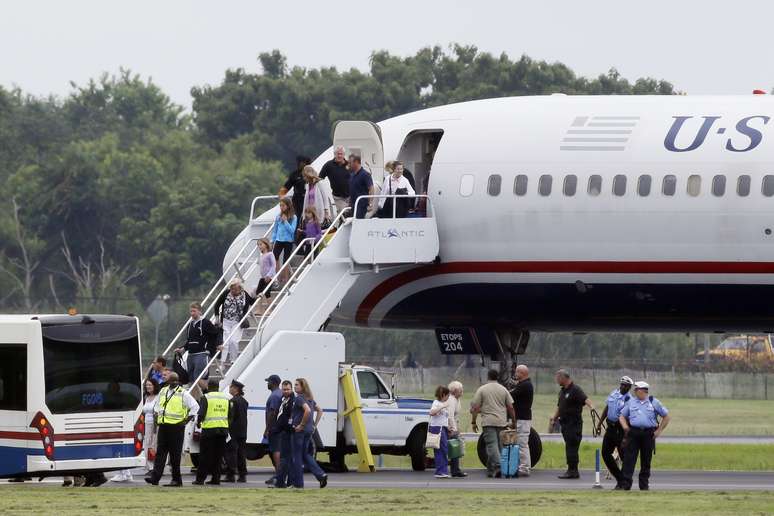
14	426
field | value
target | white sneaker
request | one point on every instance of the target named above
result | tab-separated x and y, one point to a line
442	475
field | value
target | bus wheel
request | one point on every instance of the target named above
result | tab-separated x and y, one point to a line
535	448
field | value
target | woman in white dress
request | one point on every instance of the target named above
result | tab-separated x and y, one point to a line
395	183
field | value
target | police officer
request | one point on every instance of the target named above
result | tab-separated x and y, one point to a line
174	408
213	418
569	411
641	428
614	432
236	460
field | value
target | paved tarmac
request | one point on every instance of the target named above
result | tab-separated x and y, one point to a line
539	480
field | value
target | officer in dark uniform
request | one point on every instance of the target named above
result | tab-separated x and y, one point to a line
614	432
639	419
569	412
214	415
235	450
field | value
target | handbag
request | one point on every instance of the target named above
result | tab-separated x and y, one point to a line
508	437
456	448
179	368
432	440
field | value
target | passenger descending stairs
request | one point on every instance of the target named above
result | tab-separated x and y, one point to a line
315	283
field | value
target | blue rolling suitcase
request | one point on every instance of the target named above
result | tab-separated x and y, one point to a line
509	461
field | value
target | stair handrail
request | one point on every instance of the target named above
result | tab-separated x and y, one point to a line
308	260
429	214
215	287
249	312
260	198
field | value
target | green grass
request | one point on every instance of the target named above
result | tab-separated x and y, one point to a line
689	416
705	457
54	500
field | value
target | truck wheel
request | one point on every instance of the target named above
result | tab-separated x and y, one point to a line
535	448
415	445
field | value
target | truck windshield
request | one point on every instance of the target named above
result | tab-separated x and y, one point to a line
92	367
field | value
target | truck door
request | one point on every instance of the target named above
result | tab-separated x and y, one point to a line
363	138
379	407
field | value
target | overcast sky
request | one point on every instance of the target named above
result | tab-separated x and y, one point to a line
701	47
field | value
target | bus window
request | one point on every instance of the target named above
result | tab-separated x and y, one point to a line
13	377
93	368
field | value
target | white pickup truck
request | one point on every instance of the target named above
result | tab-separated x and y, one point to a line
395	426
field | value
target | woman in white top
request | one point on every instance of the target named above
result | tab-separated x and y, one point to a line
439	424
396	184
318	195
149	441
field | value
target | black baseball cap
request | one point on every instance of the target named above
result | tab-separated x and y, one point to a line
274	379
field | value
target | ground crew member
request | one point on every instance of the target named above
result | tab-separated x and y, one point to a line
236	460
569	412
614	432
174	408
641	429
213	418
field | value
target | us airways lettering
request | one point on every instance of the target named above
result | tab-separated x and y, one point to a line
743	127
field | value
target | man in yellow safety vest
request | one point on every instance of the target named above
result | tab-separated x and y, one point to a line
213	418
173	409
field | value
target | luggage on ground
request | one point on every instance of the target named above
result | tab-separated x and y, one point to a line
509	461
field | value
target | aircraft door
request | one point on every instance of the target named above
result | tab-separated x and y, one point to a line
364	138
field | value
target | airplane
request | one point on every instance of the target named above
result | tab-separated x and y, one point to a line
579	213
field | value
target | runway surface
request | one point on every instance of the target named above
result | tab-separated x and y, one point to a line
539	480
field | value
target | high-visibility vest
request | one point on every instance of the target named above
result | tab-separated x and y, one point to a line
172	410
217	411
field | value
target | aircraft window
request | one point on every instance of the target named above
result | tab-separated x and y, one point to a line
619	185
595	185
719	185
694	185
669	186
544	185
494	184
768	186
643	185
466	185
520	185
570	185
743	186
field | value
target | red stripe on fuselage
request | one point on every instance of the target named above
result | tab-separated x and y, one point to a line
554	267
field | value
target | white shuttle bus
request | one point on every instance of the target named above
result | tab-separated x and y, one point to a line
70	394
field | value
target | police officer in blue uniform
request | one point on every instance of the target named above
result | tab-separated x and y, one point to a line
614	432
639	419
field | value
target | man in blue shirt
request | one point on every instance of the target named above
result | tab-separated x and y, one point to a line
272	433
614	432
639	419
360	183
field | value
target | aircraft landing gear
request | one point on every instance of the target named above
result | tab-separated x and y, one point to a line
513	342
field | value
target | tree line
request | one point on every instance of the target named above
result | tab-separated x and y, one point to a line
114	194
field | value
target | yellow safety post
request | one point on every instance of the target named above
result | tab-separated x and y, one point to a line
355	414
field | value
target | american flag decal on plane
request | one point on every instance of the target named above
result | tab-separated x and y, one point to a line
599	133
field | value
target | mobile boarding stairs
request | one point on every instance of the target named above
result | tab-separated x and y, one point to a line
317	281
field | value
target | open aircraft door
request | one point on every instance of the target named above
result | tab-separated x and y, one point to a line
363	138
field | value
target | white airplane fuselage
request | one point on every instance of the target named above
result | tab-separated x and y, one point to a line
692	252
